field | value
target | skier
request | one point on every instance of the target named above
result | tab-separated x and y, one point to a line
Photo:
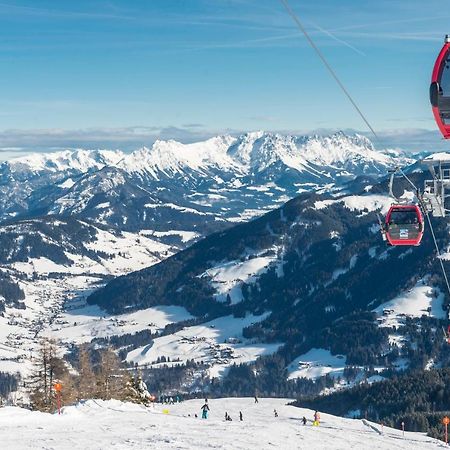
316	419
256	399
171	400
205	409
241	417
304	420
275	413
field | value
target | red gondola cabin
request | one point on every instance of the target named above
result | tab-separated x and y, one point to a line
404	225
440	89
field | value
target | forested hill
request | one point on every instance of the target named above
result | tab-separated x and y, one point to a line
318	264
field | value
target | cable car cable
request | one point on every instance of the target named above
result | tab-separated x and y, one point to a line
327	65
399	169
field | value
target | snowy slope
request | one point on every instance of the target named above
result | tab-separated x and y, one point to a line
421	300
84	324
96	424
218	343
317	363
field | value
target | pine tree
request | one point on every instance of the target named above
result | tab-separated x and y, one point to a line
111	382
86	382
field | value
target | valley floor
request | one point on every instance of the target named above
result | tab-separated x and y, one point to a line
96	424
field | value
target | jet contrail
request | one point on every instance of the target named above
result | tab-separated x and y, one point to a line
341	41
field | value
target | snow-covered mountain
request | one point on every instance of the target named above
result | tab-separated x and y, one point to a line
197	187
74	219
312	283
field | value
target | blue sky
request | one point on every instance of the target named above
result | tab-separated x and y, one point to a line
122	73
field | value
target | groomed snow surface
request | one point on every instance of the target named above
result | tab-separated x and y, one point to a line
96	424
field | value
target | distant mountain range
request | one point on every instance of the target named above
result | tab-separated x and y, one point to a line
201	187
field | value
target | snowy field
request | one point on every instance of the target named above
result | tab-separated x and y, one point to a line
317	363
82	325
416	302
365	203
218	343
227	278
114	425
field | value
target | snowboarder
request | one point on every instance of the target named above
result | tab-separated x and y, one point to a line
205	409
241	417
304	420
275	413
316	419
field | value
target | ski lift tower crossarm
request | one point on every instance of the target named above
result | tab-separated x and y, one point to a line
437	190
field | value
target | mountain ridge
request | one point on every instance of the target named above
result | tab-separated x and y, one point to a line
171	185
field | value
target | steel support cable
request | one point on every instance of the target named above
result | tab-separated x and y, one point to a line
408	180
327	65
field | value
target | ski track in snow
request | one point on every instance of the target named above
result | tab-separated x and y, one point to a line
96	424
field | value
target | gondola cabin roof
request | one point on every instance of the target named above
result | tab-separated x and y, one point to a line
440	89
404	225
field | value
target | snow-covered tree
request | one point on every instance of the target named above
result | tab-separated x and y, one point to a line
137	390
